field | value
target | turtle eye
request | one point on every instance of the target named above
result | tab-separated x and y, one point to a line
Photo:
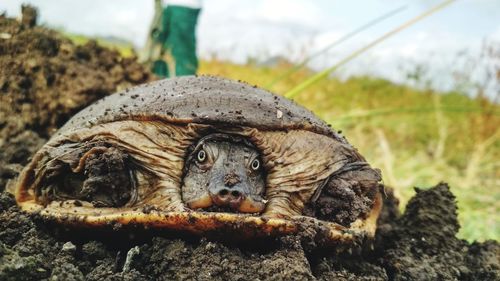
255	164
201	156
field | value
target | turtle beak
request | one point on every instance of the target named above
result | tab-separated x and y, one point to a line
252	205
204	201
234	193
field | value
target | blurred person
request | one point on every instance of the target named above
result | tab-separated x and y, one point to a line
171	45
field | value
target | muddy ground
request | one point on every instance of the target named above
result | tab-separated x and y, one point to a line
44	79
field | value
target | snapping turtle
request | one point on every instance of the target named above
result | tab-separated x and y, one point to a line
203	154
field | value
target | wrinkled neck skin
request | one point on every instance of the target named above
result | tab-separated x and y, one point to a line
226	174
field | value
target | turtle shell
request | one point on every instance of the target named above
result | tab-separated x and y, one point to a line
201	99
150	129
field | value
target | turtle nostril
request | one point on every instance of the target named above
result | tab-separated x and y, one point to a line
223	192
235	193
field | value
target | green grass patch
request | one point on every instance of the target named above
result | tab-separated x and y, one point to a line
124	48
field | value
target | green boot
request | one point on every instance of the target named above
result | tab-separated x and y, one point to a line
160	68
179	25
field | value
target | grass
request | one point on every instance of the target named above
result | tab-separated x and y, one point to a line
417	138
125	49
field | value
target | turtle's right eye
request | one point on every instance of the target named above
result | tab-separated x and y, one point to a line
201	156
255	164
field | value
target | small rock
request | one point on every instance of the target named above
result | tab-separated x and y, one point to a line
68	247
5	35
130	256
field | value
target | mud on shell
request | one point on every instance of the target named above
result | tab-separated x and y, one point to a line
203	154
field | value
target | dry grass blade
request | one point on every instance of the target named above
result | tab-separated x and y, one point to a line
323	74
333	44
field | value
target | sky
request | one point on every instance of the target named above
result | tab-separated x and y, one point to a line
237	30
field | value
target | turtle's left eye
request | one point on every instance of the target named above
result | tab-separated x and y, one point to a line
201	156
255	164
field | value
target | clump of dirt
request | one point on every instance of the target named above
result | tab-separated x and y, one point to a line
44	79
421	244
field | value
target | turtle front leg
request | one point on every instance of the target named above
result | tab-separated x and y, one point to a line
349	194
167	197
283	205
97	173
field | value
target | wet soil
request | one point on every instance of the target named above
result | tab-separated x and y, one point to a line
418	245
44	79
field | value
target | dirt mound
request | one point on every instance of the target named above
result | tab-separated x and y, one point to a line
42	73
44	79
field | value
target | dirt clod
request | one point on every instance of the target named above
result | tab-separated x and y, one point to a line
422	243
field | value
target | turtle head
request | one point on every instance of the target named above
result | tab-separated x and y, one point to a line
224	172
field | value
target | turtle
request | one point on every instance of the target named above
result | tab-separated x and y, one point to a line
203	154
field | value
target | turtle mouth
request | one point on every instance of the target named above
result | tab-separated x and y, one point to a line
216	203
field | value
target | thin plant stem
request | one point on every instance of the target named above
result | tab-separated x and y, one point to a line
323	74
